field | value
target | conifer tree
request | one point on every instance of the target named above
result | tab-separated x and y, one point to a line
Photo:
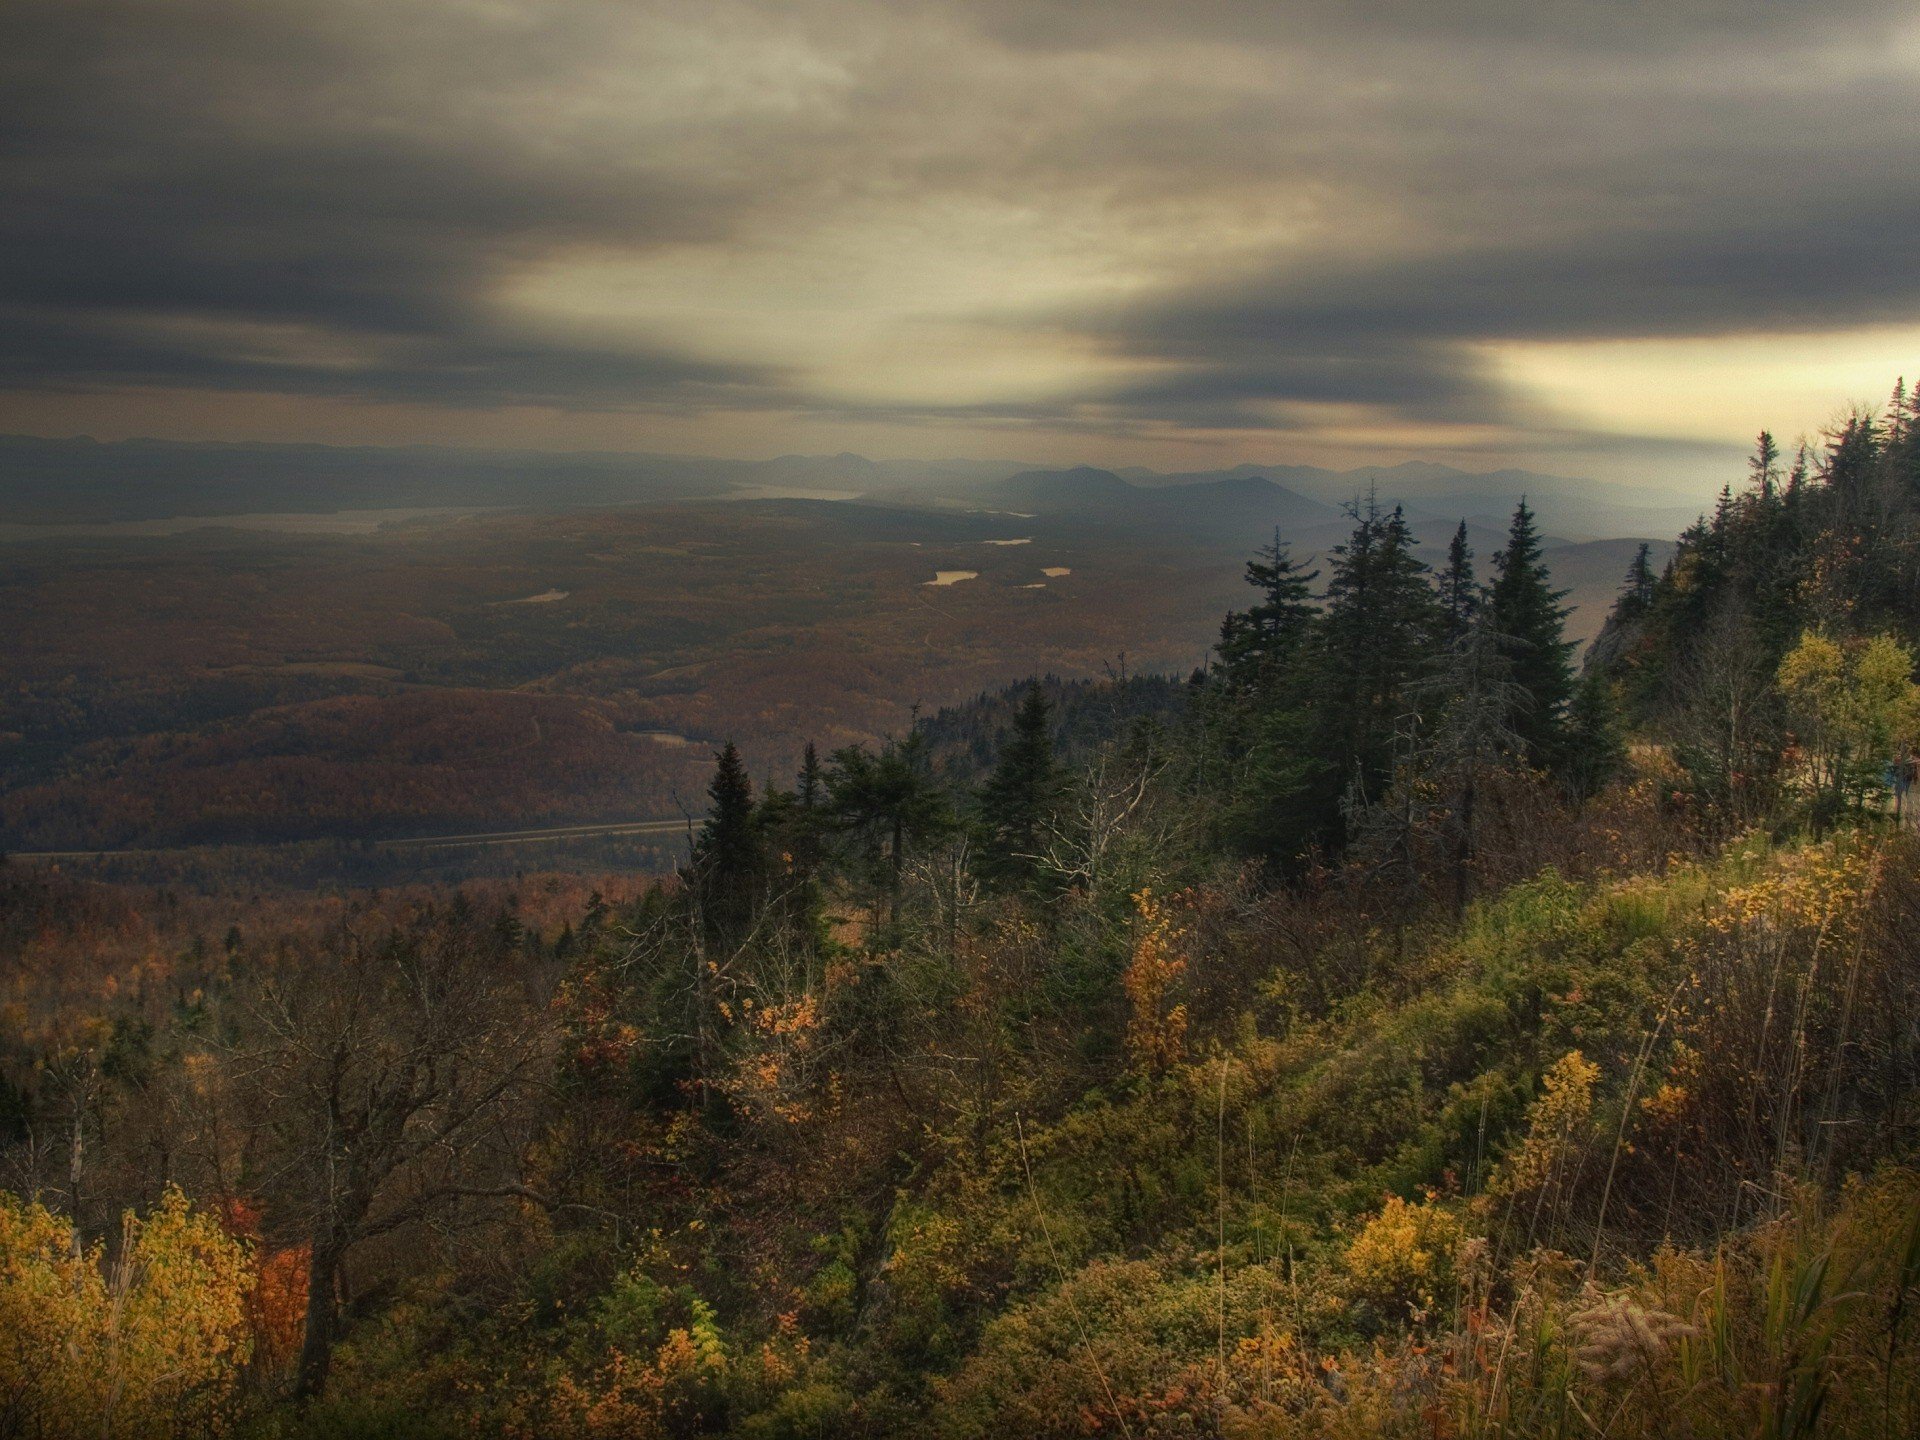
811	780
1636	596
1596	750
1382	625
1797	478
1528	614
1472	738
887	802
1015	799
726	854
1459	595
792	834
1255	740
1254	641
1765	465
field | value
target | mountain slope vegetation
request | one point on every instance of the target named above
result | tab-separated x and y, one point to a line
1390	1029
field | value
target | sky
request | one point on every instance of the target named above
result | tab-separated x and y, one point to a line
1600	237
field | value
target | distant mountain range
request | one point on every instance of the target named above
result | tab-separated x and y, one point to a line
1231	509
86	481
1428	490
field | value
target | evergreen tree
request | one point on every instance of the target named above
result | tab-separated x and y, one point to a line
1381	628
1797	478
1472	739
885	803
806	828
1636	595
726	853
1017	795
1595	748
1530	618
810	784
1620	648
1254	641
1765	465
1459	594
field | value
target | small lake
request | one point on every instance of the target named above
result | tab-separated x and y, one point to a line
545	597
662	737
788	492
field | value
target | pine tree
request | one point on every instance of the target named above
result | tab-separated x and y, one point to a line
1473	737
1254	641
1459	594
1765	465
1530	618
1595	749
1636	595
810	782
887	802
1255	741
1015	799
1797	478
726	854
1382	626
791	822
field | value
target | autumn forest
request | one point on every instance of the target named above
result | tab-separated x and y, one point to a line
1402	1017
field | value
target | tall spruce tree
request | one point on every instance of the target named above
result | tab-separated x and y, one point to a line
1459	594
1016	797
1636	595
1255	742
1765	465
1471	740
792	835
1253	642
886	803
1529	616
726	853
1595	749
1382	626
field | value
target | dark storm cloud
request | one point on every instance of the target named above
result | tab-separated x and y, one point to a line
1635	27
1315	202
186	180
1400	335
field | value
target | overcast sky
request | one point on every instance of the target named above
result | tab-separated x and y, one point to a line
1607	237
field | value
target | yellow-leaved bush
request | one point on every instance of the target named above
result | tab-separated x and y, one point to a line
149	1343
1557	1123
1404	1256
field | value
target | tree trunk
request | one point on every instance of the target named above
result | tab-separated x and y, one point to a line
323	1319
76	1153
1463	849
899	859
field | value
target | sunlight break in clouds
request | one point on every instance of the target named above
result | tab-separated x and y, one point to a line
1502	231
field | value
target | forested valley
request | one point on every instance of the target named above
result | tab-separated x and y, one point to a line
1397	1027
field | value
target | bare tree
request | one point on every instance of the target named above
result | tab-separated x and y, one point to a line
1723	719
1112	804
387	1074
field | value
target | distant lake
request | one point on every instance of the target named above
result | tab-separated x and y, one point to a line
337	522
788	492
545	597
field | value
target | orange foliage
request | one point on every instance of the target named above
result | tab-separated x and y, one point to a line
276	1307
1157	1029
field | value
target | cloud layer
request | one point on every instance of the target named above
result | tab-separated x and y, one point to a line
1134	219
